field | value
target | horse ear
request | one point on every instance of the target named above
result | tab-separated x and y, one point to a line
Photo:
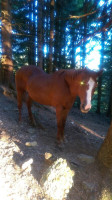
99	73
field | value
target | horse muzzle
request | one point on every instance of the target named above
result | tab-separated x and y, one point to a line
85	108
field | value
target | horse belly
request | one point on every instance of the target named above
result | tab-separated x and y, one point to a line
40	98
40	93
47	91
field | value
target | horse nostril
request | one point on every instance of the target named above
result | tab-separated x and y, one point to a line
83	106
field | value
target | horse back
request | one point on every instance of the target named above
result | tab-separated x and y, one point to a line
22	75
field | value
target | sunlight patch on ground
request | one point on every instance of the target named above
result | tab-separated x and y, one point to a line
88	130
16	182
58	180
91	131
106	195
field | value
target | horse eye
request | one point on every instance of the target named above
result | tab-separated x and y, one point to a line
82	83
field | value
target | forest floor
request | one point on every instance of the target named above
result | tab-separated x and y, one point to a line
85	134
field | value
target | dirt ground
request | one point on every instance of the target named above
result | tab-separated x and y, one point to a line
84	135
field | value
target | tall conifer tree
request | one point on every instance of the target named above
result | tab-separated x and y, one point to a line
6	31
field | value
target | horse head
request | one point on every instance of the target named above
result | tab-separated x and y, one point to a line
83	83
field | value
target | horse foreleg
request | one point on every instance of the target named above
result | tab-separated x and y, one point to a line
61	115
29	104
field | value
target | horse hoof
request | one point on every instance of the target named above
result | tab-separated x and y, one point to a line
40	126
59	145
33	123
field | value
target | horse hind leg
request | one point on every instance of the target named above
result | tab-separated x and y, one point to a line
19	100
29	104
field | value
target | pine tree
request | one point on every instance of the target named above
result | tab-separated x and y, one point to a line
6	31
105	62
104	155
50	66
31	38
40	33
23	35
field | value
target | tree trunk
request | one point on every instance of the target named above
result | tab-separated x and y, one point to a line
31	39
56	41
109	111
101	61
58	36
51	36
73	52
40	34
84	33
6	30
105	152
46	33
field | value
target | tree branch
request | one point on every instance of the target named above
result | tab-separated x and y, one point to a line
81	16
105	28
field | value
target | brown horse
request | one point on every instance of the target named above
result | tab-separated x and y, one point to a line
58	89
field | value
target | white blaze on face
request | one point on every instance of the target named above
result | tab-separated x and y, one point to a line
91	84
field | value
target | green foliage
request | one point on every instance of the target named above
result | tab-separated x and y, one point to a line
23	30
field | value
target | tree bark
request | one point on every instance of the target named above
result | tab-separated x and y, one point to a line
105	152
6	31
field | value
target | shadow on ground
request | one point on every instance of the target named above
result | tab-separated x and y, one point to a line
91	181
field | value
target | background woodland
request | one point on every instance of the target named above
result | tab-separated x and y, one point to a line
56	34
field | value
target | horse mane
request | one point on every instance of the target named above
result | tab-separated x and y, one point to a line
71	74
84	70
